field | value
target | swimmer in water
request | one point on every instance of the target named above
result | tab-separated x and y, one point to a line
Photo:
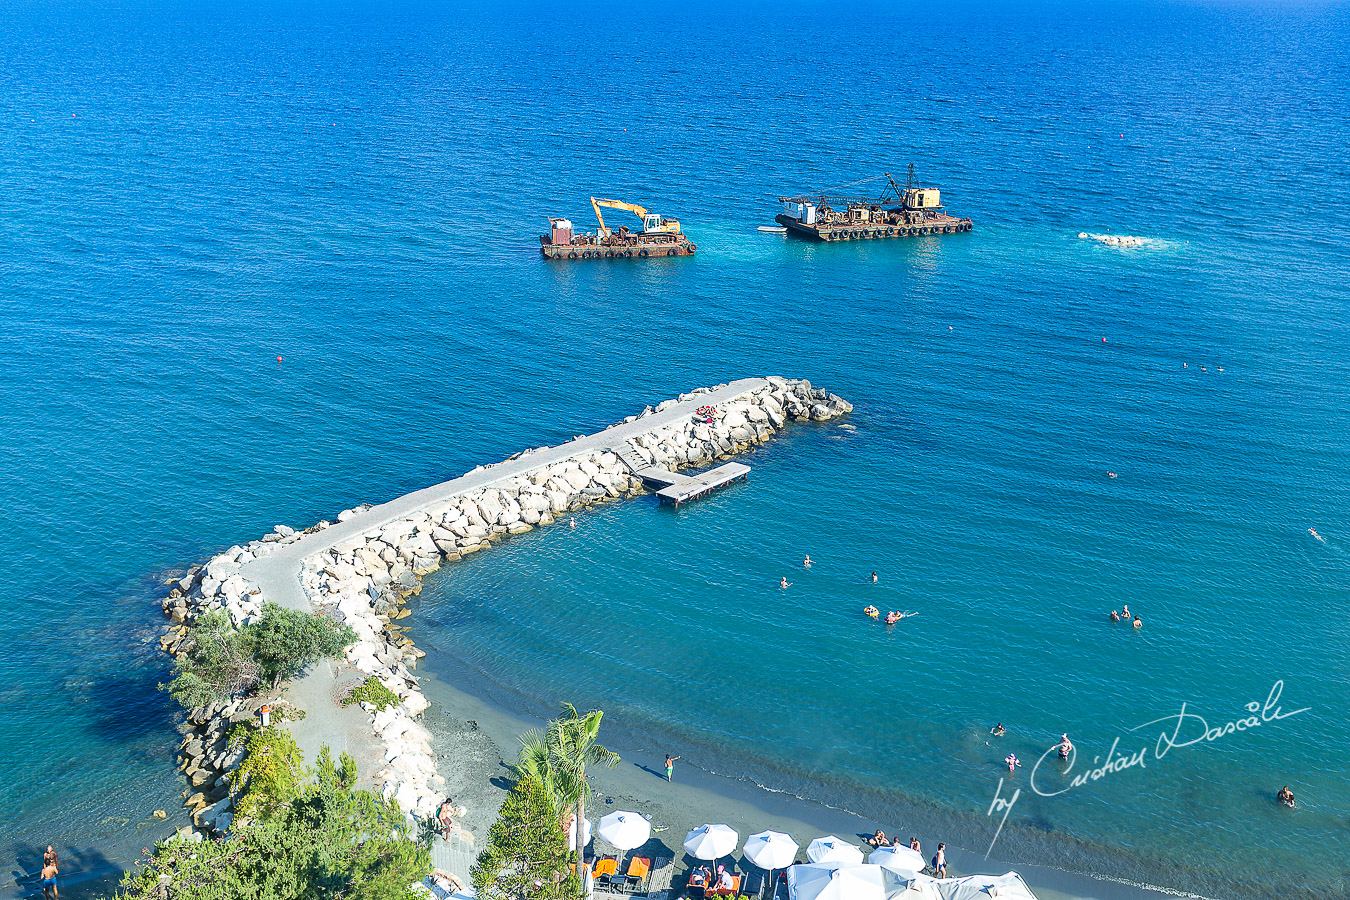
892	617
1012	761
1065	746
1313	532
1138	623
874	577
998	730
1286	797
1115	616
784	583
806	563
574	523
1111	474
871	612
1125	614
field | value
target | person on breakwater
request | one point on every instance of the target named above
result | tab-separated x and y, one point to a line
49	873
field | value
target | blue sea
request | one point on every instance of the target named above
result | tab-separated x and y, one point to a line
260	262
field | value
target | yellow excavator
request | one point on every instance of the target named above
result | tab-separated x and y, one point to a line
651	222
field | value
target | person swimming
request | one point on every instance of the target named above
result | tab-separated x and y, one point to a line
784	583
998	730
874	577
1313	532
1125	612
892	617
1286	797
871	611
1138	623
1012	761
1115	616
1065	746
806	563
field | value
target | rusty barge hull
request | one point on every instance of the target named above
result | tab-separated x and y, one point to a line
624	251
865	231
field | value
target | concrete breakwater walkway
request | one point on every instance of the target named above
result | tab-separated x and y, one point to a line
362	568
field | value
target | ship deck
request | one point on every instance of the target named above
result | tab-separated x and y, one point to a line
938	224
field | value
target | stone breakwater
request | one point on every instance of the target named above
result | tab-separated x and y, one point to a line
362	568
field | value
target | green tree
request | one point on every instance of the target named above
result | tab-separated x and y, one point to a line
217	665
526	857
285	641
270	775
331	842
558	758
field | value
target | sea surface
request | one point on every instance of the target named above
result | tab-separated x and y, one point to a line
260	262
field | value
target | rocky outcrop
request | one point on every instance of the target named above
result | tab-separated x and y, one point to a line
366	579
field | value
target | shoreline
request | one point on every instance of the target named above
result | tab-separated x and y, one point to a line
696	796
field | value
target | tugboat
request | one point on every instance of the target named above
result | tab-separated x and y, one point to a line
659	236
907	211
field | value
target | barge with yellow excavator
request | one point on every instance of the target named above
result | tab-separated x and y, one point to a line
659	236
899	211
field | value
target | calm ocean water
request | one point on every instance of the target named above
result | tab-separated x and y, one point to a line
188	191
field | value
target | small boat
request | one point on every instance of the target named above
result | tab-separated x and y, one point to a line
773	229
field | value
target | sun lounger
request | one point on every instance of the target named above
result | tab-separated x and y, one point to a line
605	869
660	878
635	879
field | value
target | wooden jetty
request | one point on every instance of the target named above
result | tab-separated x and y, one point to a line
672	487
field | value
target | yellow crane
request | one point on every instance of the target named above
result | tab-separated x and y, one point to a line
651	222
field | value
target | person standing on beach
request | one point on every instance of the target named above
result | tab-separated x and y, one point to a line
670	766
940	861
49	872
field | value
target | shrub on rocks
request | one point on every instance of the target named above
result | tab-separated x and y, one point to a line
372	691
285	642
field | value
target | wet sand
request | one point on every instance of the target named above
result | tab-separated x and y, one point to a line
475	742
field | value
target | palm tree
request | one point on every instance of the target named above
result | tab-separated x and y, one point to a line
559	756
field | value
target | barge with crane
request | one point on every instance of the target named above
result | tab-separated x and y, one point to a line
659	236
908	210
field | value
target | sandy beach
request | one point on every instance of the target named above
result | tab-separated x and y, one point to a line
475	743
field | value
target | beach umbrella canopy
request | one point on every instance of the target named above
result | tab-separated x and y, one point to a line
911	886
834	881
833	849
625	830
982	887
572	833
771	850
898	859
711	841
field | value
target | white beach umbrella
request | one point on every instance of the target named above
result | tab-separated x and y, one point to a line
911	886
833	849
572	833
624	830
1009	886
711	842
834	881
771	850
897	859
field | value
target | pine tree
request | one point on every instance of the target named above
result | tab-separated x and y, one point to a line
526	857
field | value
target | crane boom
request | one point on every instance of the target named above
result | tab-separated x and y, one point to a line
651	223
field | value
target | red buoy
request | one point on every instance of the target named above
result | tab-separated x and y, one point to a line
278	359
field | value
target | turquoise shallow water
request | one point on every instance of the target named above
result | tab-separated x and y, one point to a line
188	192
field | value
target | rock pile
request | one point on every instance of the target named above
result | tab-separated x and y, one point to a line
364	581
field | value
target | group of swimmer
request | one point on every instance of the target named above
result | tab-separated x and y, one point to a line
1116	617
870	611
1065	748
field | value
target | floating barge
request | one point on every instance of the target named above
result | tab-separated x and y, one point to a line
900	211
659	236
